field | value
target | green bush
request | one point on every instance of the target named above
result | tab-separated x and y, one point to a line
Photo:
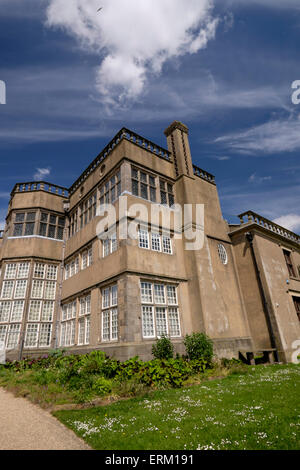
45	377
161	372
128	369
94	374
102	386
199	346
163	348
92	363
227	363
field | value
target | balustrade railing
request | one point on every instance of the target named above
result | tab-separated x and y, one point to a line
251	216
41	186
204	174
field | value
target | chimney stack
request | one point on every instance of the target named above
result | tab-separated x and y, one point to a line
178	144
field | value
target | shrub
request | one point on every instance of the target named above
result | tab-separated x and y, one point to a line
45	377
163	348
227	363
56	353
102	386
128	369
92	363
199	346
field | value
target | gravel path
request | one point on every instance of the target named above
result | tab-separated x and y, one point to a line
24	426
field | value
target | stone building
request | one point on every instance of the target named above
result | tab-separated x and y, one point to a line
69	279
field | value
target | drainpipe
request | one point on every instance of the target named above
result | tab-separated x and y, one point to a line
250	238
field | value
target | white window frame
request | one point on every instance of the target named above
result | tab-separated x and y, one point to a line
35	327
164	250
84	259
143	239
157	308
17	316
110	312
157	296
170	313
36	312
45	311
151	290
51	271
20	293
23	270
50	293
14	329
155	242
10	293
39	271
5	309
10	271
146	336
48	333
38	291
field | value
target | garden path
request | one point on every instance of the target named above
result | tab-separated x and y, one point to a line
24	426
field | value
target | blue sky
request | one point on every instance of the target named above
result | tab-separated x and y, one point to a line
223	67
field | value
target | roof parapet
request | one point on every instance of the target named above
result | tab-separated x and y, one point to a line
204	175
252	217
131	136
40	186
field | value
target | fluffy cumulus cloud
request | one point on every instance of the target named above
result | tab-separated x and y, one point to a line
134	39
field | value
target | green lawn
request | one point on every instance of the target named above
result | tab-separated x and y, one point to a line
256	410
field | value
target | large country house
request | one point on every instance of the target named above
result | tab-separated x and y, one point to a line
64	285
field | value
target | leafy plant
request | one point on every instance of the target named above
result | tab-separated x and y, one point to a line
163	348
230	362
199	346
102	386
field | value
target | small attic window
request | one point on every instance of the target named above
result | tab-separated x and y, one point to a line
223	254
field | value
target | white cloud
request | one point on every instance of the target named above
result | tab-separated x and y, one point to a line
32	135
258	179
289	221
282	135
134	39
41	173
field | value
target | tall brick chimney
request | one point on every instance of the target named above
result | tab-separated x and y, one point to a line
178	144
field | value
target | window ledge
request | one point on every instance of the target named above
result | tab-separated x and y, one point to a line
35	236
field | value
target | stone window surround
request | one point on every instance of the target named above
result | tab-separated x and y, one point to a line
35	229
154	309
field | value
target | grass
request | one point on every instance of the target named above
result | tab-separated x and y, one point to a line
254	410
25	384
